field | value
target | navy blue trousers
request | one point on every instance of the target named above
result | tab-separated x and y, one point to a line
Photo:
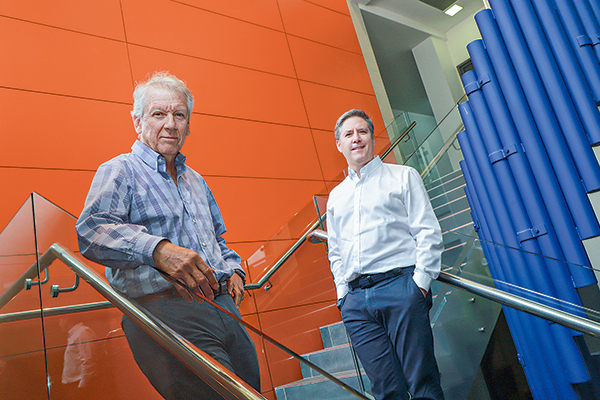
389	327
209	329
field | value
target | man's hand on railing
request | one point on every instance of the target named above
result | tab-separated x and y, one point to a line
187	267
235	286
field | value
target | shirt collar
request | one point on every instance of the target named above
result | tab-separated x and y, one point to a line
154	160
366	170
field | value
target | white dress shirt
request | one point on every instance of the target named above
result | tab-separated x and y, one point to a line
381	221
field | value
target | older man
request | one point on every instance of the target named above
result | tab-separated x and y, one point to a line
147	211
385	248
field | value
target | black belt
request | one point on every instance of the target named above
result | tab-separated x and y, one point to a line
173	294
366	281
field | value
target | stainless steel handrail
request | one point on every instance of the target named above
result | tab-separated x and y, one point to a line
398	139
522	304
265	278
209	370
517	302
50	312
283	259
205	367
43	262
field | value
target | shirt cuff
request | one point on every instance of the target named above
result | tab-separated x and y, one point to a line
235	267
422	280
146	247
342	290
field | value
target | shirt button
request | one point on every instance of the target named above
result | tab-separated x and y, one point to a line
203	244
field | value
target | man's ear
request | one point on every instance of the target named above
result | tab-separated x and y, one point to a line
337	144
137	124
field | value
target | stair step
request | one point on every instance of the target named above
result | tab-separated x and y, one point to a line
445	178
334	335
455	182
321	388
447	196
332	360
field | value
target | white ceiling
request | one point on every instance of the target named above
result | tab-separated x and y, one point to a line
419	15
395	27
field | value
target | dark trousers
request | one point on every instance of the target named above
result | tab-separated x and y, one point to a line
389	327
209	329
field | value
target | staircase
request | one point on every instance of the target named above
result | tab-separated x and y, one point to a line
337	359
462	326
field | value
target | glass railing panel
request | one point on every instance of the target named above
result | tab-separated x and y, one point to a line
431	143
542	279
273	249
64	354
298	311
86	352
533	277
462	324
22	357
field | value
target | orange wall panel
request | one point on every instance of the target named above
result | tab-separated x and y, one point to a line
66	132
53	60
87	16
338	101
311	21
270	78
67	189
259	12
243	152
206	35
319	63
227	90
253	209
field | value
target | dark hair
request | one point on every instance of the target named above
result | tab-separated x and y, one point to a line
350	114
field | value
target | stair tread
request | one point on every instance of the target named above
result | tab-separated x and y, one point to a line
321	378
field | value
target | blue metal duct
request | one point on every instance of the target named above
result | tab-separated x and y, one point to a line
582	43
531	116
537	124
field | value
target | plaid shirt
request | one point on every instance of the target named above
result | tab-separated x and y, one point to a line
134	204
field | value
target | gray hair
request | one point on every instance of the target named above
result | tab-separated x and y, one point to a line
350	114
163	80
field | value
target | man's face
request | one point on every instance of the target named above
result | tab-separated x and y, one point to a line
356	143
165	123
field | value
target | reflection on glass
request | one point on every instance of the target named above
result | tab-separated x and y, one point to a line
60	356
22	366
79	361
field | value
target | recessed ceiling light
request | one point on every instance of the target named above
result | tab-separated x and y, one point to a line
453	10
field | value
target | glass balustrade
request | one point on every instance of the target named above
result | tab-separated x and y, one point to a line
64	352
76	347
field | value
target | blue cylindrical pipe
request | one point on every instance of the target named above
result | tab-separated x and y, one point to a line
546	138
577	84
511	315
591	24
500	186
563	234
556	90
547	364
595	6
516	272
582	44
